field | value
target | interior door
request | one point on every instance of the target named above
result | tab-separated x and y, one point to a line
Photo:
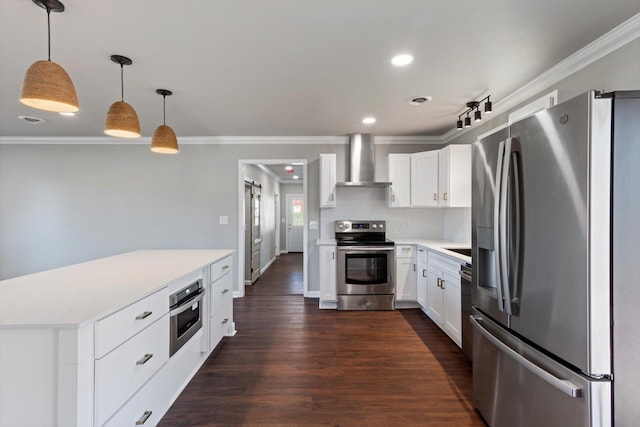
295	222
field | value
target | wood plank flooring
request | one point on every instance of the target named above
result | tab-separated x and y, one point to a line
291	364
283	277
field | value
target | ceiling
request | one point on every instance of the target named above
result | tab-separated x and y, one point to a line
283	174
290	67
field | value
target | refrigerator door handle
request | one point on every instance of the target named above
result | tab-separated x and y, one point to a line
496	223
503	252
565	386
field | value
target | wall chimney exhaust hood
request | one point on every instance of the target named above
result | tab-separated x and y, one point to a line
361	162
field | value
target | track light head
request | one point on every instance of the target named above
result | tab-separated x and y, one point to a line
488	108
467	121
459	123
477	116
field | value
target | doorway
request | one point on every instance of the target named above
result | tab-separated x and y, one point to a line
239	290
295	222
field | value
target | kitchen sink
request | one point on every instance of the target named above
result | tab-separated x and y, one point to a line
461	251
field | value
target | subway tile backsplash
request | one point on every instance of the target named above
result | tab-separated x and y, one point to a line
368	203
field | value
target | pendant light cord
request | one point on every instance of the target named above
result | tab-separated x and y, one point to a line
49	33
164	110
122	82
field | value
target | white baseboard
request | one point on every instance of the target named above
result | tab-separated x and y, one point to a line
312	294
283	252
327	305
263	269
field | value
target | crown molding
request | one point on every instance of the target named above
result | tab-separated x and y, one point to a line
623	34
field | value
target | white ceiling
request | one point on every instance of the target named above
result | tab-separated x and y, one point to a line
284	175
291	67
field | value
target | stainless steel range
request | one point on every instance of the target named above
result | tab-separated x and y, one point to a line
365	266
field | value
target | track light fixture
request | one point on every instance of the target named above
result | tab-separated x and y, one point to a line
477	115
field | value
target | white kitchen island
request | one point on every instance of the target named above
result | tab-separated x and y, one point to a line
88	344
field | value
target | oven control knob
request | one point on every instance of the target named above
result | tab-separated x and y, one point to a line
380	225
340	226
374	226
346	226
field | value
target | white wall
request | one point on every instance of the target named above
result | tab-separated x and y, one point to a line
270	187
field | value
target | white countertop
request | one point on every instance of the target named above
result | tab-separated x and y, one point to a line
439	245
75	295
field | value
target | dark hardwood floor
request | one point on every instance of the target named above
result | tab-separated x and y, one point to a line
291	364
283	277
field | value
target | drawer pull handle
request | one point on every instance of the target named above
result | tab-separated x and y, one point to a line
145	359
144	418
225	291
144	315
225	321
224	267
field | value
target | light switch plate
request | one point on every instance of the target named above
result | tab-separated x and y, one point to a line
313	225
224	220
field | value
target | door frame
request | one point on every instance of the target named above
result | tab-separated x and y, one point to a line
288	198
239	291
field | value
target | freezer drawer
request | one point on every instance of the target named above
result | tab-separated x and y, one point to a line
516	385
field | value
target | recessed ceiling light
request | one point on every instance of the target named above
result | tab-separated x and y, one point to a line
296	177
297	163
288	169
419	100
68	114
369	120
402	60
32	120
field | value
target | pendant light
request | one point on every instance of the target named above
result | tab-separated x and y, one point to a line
46	85
122	120
164	138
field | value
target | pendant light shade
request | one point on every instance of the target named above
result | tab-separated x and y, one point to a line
122	120
164	138
46	85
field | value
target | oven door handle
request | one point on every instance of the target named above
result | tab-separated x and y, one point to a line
187	305
365	248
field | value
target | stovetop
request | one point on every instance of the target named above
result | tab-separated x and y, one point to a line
361	233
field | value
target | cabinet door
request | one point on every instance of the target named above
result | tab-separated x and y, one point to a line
400	178
422	278
406	279
327	180
435	297
455	176
424	179
327	273
453	313
443	177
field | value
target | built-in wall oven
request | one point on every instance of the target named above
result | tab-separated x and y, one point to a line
185	315
365	266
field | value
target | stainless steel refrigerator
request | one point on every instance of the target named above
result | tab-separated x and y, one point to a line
556	284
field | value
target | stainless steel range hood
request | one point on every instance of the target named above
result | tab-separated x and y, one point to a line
362	162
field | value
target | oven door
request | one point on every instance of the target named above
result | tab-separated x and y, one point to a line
365	270
184	321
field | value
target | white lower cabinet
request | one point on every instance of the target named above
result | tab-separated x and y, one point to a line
327	273
443	295
422	278
119	374
221	302
406	273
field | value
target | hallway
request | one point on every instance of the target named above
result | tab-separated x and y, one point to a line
283	277
291	364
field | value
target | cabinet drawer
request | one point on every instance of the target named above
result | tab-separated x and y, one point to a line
221	322
115	329
437	261
119	374
405	251
221	293
220	268
147	407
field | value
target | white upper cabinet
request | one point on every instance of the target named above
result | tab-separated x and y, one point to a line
400	177
328	180
424	179
454	183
